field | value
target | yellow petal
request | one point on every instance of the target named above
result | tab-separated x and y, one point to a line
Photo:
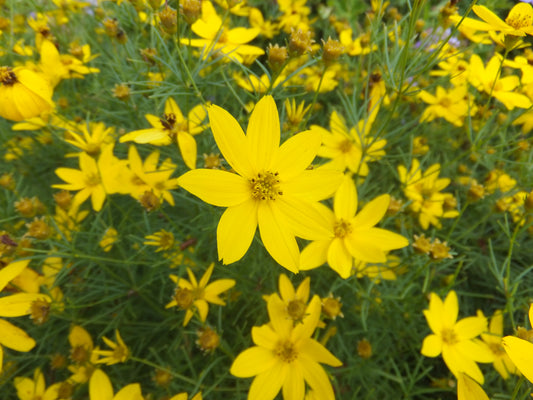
129	392
286	290
435	313
313	185
372	212
277	237
10	271
294	385
150	135
296	154
457	363
345	201
252	361
451	309
78	336
314	254
470	327
264	336
100	386
187	146
469	389
316	377
475	349
489	17
267	384
15	338
339	258
220	188
230	140
318	353
263	134
236	230
278	316
304	218
521	354
431	346
214	289
19	304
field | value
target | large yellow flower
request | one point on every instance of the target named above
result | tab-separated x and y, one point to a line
519	21
272	187
285	356
520	351
455	339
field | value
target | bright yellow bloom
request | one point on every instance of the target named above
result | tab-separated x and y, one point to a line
81	354
173	128
452	105
294	301
23	94
119	352
100	389
218	40
91	137
455	340
520	351
32	389
195	296
272	187
285	357
108	239
352	235
519	21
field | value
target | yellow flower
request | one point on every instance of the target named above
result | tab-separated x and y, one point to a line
352	235
162	239
195	296
469	389
272	187
31	389
100	389
216	39
294	301
451	105
82	355
91	137
23	94
109	238
285	356
172	128
519	21
520	351
455	339
119	352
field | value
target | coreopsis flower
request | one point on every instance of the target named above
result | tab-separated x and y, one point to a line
162	239
520	351
455	340
519	21
91	137
83	358
100	388
350	148
94	179
294	301
452	105
272	188
195	296
108	239
286	357
493	338
218	40
15	305
173	128
23	94
358	46
352	234
31	389
119	352
424	191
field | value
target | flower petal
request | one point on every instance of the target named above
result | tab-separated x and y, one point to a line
19	304
220	188
100	386
267	384
318	353
345	201
520	352
236	230
264	336
129	392
431	346
314	184
187	146
316	377
339	258
314	254
469	389
286	290
252	361
296	154
11	270
304	219
263	134
372	212
470	327
294	385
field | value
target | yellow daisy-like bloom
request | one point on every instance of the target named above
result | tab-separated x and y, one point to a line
32	389
23	94
81	354
352	235
272	187
15	305
119	352
195	296
294	301
452	105
172	128
455	340
519	21
502	363
100	388
286	357
520	351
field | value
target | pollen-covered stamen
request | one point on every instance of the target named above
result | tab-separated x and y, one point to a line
449	337
286	351
266	186
168	121
519	20
342	228
7	76
345	146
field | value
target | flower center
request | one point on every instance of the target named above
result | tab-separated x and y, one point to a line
449	337
79	354
7	76
92	179
168	121
184	298
296	309
265	186
445	102
342	228
497	349
286	351
519	20
345	146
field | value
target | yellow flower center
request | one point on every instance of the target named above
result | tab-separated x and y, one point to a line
120	353
342	228
92	179
497	349
345	146
79	354
168	121
184	298
286	351
449	337
7	76
265	186
445	102
40	311
519	20
296	309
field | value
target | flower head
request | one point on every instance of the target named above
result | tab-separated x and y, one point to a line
119	352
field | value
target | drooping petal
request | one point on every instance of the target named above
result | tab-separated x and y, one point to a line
314	255
431	346
15	338
236	230
220	188
318	353
314	184
252	361
129	392
263	134
296	154
267	384
277	236
187	146
520	352
316	377
100	386
203	308
230	139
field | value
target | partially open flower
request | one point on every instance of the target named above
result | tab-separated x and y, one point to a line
23	94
